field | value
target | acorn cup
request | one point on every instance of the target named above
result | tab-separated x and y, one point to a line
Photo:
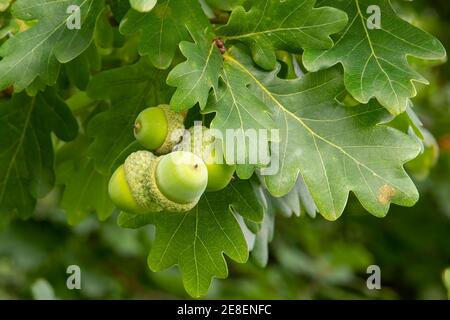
202	143
159	128
146	183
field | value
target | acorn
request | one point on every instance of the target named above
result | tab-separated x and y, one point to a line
159	128
120	192
146	183
200	141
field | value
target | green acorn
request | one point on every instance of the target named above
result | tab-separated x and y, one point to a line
120	192
146	183
159	128
200	141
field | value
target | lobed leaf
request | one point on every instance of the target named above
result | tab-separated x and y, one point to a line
86	189
27	156
164	27
336	149
197	240
195	77
375	60
37	52
237	108
289	25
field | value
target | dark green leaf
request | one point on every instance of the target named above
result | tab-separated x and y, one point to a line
197	240
27	157
164	27
290	25
39	51
375	60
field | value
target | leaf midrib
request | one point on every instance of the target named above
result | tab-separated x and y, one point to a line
278	30
202	74
40	43
300	120
369	40
19	146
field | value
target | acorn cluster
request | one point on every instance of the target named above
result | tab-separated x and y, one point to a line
175	169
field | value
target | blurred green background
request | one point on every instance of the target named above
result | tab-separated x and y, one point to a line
309	258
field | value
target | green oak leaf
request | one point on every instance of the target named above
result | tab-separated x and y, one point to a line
244	200
38	51
195	77
104	32
375	60
237	108
289	25
143	5
164	27
197	240
79	70
27	156
130	90
336	149
86	189
409	122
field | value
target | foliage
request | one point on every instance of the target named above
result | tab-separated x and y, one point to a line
338	91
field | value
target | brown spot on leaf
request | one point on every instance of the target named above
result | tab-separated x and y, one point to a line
385	194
